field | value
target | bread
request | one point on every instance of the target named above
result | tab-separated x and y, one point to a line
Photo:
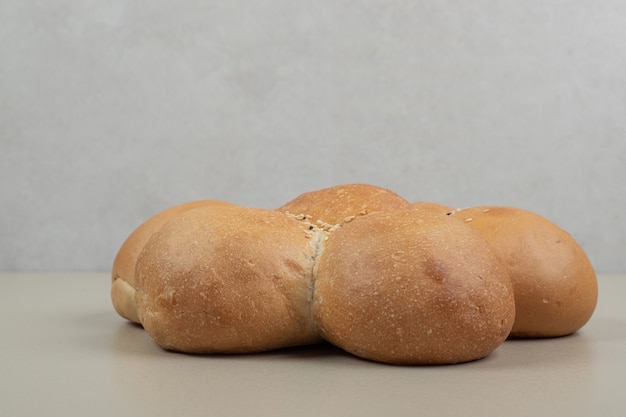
555	285
412	287
123	271
334	206
356	265
228	279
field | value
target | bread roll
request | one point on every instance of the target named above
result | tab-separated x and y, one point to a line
412	287
123	271
334	206
555	285
228	279
356	265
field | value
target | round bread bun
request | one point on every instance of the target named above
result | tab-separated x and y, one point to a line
433	207
228	279
123	270
555	285
334	206
412	287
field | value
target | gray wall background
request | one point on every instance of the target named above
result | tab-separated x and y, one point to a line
112	111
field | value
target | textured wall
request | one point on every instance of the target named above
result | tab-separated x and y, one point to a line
112	111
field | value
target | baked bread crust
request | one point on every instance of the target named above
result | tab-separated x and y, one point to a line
123	270
433	207
228	279
555	285
337	205
412	287
356	265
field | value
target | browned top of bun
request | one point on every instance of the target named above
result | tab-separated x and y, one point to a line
555	284
227	279
336	205
433	207
126	258
122	293
412	287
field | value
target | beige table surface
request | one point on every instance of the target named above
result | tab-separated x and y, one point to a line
65	352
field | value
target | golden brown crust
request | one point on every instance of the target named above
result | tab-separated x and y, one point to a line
123	271
339	204
227	279
356	265
554	282
433	207
412	287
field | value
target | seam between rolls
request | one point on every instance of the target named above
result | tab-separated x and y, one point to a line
317	233
317	243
